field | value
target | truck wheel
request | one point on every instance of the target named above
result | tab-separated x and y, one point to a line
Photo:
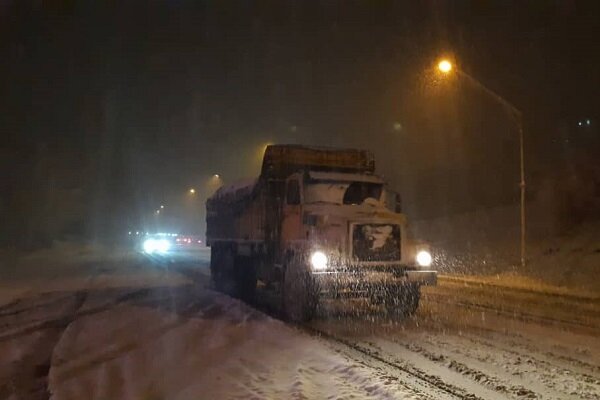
214	266
222	270
299	294
404	300
245	279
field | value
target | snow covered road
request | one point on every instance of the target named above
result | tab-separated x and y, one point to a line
484	342
166	335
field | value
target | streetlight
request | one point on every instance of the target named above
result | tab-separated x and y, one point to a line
446	67
192	191
212	184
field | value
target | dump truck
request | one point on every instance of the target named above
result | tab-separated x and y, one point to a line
316	223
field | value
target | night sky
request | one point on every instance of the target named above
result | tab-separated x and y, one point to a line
122	107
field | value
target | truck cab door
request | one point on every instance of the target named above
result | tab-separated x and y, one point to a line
291	227
393	201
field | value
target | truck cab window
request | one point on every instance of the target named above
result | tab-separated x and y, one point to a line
358	192
293	192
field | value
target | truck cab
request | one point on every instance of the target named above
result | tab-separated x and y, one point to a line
354	241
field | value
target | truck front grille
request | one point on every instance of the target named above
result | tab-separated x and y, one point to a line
376	242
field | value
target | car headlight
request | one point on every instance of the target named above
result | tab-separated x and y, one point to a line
318	261
159	246
149	246
163	245
424	258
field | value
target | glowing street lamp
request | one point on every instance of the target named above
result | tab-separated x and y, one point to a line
212	184
446	67
192	191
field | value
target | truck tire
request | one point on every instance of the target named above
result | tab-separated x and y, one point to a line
222	270
299	294
403	301
245	278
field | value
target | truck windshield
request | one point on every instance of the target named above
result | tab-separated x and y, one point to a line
341	192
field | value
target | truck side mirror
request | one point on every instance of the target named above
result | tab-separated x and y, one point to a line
397	203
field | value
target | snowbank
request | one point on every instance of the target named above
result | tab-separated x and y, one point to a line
208	346
486	242
69	267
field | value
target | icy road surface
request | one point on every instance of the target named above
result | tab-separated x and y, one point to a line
150	331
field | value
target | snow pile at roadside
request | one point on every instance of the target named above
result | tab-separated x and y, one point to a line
206	347
487	242
570	260
71	267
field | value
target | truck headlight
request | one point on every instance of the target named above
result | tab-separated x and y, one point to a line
318	261
424	258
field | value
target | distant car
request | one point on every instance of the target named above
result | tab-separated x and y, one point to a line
169	243
187	241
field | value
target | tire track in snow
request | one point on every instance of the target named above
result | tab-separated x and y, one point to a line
580	369
570	309
9	309
477	375
569	384
64	320
512	338
493	370
69	369
407	370
515	314
473	283
29	378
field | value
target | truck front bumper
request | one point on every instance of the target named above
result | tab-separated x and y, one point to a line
356	284
428	278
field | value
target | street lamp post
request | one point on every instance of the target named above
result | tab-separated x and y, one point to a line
446	67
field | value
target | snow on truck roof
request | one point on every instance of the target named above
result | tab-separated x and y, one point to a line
240	187
244	187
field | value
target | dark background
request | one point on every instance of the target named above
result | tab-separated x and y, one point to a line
108	110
